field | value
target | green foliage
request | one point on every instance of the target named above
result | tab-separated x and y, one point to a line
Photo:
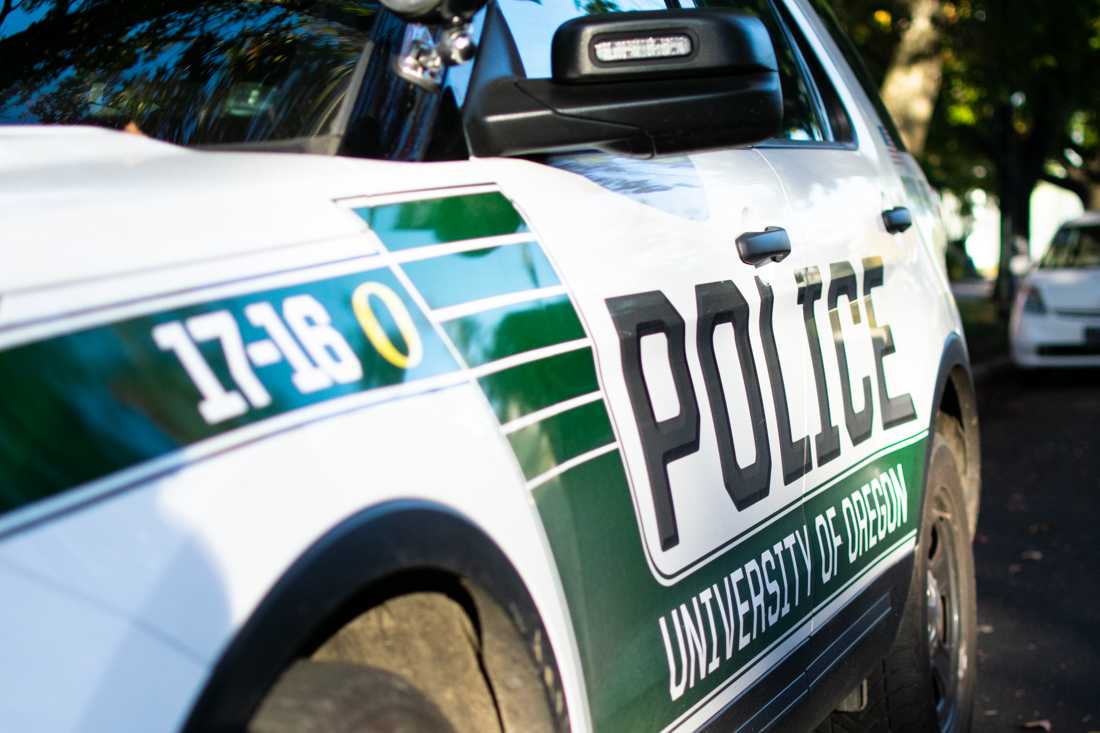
875	27
1021	82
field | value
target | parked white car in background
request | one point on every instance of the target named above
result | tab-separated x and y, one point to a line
1056	317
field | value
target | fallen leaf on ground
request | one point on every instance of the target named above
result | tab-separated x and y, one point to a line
1037	725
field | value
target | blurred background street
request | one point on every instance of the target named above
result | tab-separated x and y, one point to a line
1037	552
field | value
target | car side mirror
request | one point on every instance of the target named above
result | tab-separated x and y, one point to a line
639	83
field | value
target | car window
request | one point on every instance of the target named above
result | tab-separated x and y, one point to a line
1073	248
801	121
840	123
184	71
859	70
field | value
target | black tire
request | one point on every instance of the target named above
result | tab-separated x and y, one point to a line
926	682
335	697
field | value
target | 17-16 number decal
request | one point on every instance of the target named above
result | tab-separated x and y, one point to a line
299	332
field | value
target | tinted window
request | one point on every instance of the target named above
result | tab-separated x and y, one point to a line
851	55
195	72
1073	248
800	118
840	124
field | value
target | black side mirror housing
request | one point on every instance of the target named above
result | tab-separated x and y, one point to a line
640	83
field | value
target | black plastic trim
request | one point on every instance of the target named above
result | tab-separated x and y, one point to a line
726	97
323	586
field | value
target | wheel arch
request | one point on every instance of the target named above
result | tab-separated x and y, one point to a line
955	395
371	556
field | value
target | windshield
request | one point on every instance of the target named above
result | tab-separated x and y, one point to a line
199	72
1073	248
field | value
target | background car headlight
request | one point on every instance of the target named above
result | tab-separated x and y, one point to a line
1033	302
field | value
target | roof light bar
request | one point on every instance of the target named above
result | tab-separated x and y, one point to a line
644	47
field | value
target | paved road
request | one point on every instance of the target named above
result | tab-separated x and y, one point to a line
1038	553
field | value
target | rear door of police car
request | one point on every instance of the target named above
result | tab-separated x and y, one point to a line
869	274
685	554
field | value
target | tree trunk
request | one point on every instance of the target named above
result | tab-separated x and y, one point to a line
1014	198
1091	199
913	81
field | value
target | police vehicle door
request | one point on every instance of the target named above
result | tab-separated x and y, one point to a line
683	547
860	290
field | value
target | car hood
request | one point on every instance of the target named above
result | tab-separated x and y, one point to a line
81	203
1077	290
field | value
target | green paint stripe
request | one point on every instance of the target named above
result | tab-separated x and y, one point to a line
615	602
85	405
483	273
557	439
435	221
500	332
523	389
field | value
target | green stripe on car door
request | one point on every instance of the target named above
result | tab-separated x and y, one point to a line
616	604
435	221
84	405
512	329
526	388
483	273
555	440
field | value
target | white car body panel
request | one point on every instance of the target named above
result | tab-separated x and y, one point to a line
198	527
199	556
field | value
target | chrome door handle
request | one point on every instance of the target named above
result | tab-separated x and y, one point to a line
758	248
897	219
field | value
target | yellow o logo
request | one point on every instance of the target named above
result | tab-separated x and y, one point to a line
379	339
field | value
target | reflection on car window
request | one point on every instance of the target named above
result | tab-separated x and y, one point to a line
859	69
840	124
800	119
1073	248
186	72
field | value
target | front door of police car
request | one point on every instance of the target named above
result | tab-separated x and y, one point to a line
683	548
684	551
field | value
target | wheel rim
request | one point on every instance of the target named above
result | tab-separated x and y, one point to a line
944	622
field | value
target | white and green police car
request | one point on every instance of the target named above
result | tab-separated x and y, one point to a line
590	370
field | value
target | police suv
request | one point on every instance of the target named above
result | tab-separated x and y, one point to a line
594	368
